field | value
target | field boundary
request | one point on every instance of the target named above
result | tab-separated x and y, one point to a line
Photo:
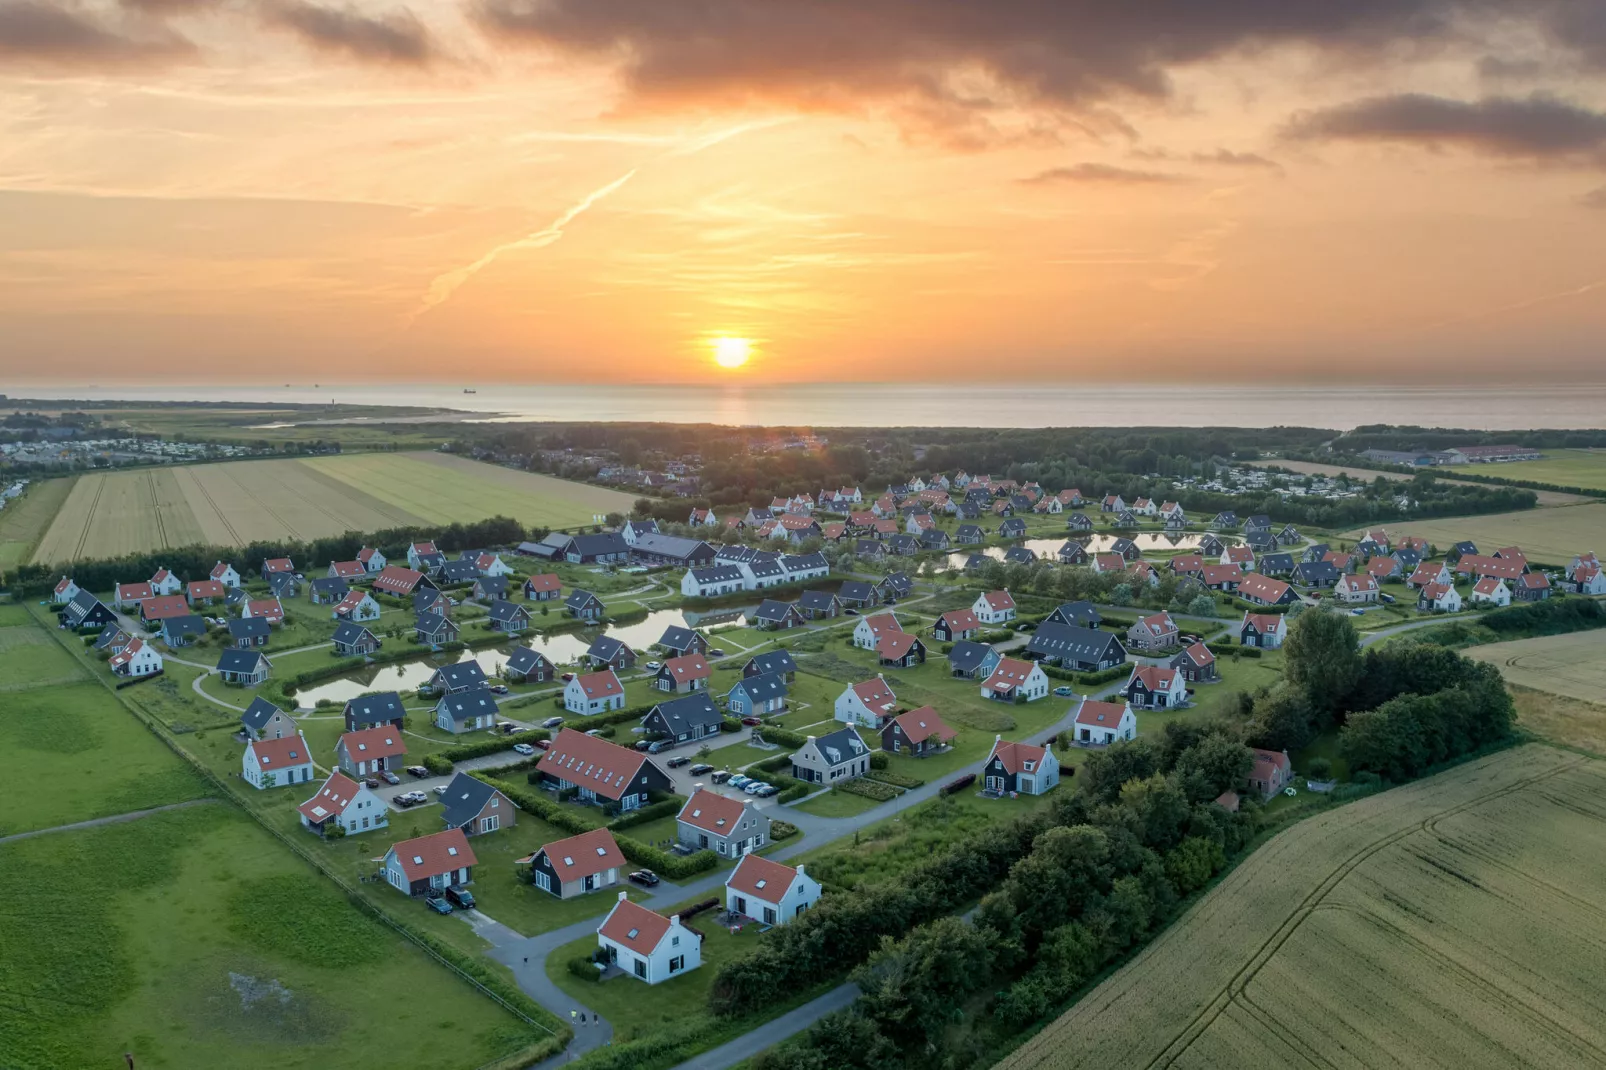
557	1038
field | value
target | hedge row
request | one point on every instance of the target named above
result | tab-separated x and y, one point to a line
775	734
897	780
1228	650
675	867
651	812
869	789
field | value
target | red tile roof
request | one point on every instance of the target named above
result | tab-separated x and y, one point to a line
350	603
762	879
278	564
1159	623
1435	591
1534	581
1016	755
265	607
1187	563
1096	714
591	762
961	620
1358	583
895	645
882	623
1154	677
544	583
1266	588
439	852
876	695
1487	585
1223	574
380	741
1507	567
585	855
348	569
688	667
712	812
1264	622
999	600
1239	555
921	724
602	684
1010	673
281	753
635	927
335	795
394	579
164	606
1200	655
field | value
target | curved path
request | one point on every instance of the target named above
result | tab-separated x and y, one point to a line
113	819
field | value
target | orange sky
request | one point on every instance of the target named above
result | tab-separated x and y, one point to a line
594	191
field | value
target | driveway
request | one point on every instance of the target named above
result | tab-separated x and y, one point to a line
427	785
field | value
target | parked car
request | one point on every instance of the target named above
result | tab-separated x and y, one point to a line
739	781
676	763
523	748
388	777
593	731
767	790
1385	596
410	798
654	666
720	776
1064	692
544	744
566	677
751	721
553	722
716	651
850	611
461	897
498	689
753	787
700	768
440	789
417	771
370	782
516	729
645	877
438	904
644	744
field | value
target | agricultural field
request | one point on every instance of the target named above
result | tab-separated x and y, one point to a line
1509	471
1450	922
1551	536
109	514
193	940
24	521
1566	468
1568	665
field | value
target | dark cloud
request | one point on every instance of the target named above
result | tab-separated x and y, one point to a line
1103	173
1500	69
394	38
57	35
1053	54
1537	127
1594	199
1228	158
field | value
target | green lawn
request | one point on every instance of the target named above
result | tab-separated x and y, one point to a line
31	657
192	940
24	520
837	804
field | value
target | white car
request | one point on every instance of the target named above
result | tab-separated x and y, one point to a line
655	665
523	748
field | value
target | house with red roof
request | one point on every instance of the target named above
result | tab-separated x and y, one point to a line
1019	768
276	565
1439	598
956	624
65	591
543	587
367	751
356	606
372	560
1383	568
161	607
163	582
730	827
918	733
578	865
1271	772
1099	724
646	945
1242	556
1016	681
1588	579
901	650
1356	588
1491	591
867	633
683	674
1188	564
344	802
1263	630
994	607
1196	664
1154	632
870	703
226	574
398	581
128	595
601	771
768	892
269	609
275	763
1531	587
594	692
430	864
1222	577
1155	687
1265	590
1507	568
1108	563
1429	572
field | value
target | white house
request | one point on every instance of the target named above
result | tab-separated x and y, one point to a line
137	658
1491	591
1439	598
277	763
164	583
356	606
1145	507
703	518
1155	687
868	632
1101	723
1589	579
1014	679
226	574
344	802
65	592
712	581
1264	630
1357	588
1019	768
647	945
594	692
869	702
417	551
994	607
769	892
730	827
372	560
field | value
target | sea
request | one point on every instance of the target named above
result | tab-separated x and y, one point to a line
1014	405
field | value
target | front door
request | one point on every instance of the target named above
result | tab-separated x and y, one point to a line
741	904
591	882
995	783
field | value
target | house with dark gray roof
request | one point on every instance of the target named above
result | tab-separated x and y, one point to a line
934	539
435	629
831	759
772	615
247	667
973	661
1316	574
674	550
855	594
1074	647
754	696
1019	555
86	613
1080	614
606	651
489	588
475	807
969	535
263	720
1012	528
903	545
818	605
457	572
466	711
353	640
431	600
684	720
608	548
713	581
896	585
527	666
1315	552
771	661
283	585
1277	564
1078	522
871	549
245	632
510	618
378	707
182	631
327	590
458	676
585	605
679	641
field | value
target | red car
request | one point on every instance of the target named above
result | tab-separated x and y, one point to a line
566	677
544	744
751	721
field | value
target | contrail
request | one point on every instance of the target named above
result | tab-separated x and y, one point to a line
445	285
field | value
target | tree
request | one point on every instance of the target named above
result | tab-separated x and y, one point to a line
1282	720
1215	764
1202	606
1161	808
1323	661
1105	771
914	988
1121	595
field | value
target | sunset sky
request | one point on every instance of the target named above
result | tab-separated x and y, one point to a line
888	190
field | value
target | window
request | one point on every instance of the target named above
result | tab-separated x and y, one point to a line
542	881
641	969
674	941
677	963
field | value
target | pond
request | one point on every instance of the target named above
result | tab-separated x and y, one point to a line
1049	549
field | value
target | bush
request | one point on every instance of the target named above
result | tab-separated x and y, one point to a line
897	780
959	784
652	812
878	759
675	867
1319	769
582	967
439	765
776	734
869	789
781	830
730	724
1103	676
1228	650
478	749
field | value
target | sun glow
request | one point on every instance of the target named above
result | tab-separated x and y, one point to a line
731	352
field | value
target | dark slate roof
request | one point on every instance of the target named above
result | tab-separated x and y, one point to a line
772	609
496	585
821	600
526	660
349	633
508	612
765	568
1078	520
684	713
459	572
379	707
234	596
423	599
430	623
463	799
258	714
1079	613
976	562
187	625
969	531
1407	557
1283	562
967	656
1019	555
108	635
745	554
1260	539
717	574
248	627
279	582
763	687
899	582
1259	520
904	544
1122	545
537	549
331	585
677	638
475	702
578	599
1313	571
1466	546
609	542
774	661
841	746
934	537
605	647
233	660
804	562
430	561
673	546
969	510
461	675
1012	526
1072	641
868	548
1316	551
856	591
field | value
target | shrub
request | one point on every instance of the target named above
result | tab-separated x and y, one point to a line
653	812
675	867
895	779
439	765
730	724
959	784
1319	769
478	749
781	830
776	734
582	967
878	759
869	789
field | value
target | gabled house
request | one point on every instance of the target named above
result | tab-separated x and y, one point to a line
575	866
475	807
1439	598
525	665
1491	591
158	608
263	720
1222	577
755	696
246	667
458	676
768	892
182	631
1356	589
1155	687
1224	521
867	633
544	587
269	609
895	585
1019	768
1074	647
276	763
283	585
1079	522
370	750
1154	632
818	605
600	771
680	641
327	589
400	582
277	566
1016	681
1531	587
1012	528
136	659
357	606
1081	614
772	615
596	692
918	733
1103	563
713	581
372	560
972	661
1383	568
490	589
584	605
683	720
1589	579
687	673
163	582
1271	772
417	553
430	864
456	573
509	618
1019	555
869	703
900	649
778	662
1112	503
226	574
994	607
1264	630
345	570
1280	563
436	630
1126	549
956	624
1316	574
466	711
65	591
1266	591
1098	724
1196	664
1242	556
1210	546
247	632
730	827
827	759
970	535
374	708
647	945
343	802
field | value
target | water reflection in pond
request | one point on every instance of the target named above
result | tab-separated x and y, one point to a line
1049	548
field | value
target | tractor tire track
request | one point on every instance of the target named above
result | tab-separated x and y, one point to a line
94	509
156	511
223	518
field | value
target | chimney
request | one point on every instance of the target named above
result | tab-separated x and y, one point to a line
623	896
800	871
674	921
998	739
811	739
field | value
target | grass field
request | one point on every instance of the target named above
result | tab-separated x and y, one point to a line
1568	665
1451	922
1566	468
108	514
1510	471
191	939
25	520
1551	536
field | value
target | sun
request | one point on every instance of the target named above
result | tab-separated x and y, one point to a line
731	352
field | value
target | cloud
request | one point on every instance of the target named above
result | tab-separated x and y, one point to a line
58	35
1595	198
397	37
1539	127
1103	173
1228	158
1499	69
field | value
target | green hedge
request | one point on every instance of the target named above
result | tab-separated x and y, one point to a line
781	830
438	765
769	765
897	780
457	752
1229	651
598	720
776	734
581	967
869	789
652	812
675	867
878	759
731	724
